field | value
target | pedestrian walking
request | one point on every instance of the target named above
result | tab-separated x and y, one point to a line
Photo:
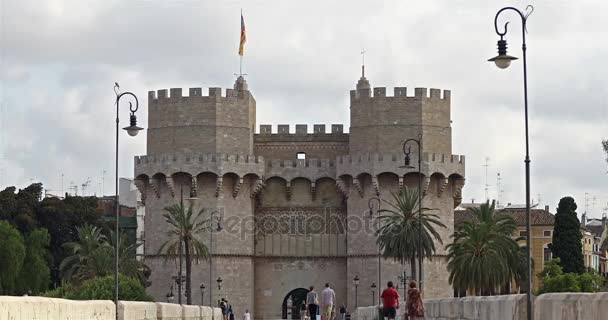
230	311
303	308
390	301
312	300
246	315
414	305
343	312
328	300
224	308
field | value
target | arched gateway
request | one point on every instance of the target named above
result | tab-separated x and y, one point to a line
298	296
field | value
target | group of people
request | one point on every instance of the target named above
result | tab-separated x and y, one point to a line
324	304
414	307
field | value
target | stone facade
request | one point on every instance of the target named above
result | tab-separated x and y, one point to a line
294	205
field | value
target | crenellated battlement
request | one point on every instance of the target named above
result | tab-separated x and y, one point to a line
201	158
301	129
374	164
401	92
196	163
193	93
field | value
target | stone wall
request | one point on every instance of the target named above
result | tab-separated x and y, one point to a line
41	308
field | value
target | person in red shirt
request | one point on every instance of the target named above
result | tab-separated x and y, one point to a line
390	301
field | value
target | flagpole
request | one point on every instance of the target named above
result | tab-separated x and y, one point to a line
241	66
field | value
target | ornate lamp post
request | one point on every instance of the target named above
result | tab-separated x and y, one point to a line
202	293
406	164
373	292
371	213
132	130
215	215
503	61
356	283
219	287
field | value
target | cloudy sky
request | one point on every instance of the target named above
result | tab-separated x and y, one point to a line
59	60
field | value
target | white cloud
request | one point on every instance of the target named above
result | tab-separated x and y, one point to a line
59	60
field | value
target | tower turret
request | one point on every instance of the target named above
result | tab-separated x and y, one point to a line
380	123
212	123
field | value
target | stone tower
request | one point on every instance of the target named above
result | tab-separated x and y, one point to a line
294	204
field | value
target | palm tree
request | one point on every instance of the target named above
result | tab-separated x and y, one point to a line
484	256
127	258
400	230
93	256
89	257
185	228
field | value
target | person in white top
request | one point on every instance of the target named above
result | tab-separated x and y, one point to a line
247	315
328	300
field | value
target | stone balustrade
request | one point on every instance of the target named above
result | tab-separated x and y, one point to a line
41	308
553	306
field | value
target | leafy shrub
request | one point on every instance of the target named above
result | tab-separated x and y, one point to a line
102	288
555	280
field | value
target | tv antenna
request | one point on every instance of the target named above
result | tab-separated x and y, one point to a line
487	185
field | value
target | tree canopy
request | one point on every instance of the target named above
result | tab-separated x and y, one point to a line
566	244
11	257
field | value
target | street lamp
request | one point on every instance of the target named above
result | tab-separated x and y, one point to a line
356	283
371	213
215	215
219	287
374	292
503	61
406	164
132	130
202	294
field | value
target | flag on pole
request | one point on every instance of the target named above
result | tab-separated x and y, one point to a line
243	36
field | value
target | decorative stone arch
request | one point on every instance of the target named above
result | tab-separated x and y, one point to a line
410	180
388	180
230	183
295	180
156	183
142	183
180	184
273	185
342	184
297	296
437	183
360	181
457	183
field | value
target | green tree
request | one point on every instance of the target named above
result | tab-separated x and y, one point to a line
102	288
62	217
35	274
484	257
185	227
11	257
399	231
90	256
566	244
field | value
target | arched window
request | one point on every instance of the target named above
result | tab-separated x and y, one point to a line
301	156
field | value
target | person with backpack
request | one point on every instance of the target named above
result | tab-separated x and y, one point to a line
312	300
